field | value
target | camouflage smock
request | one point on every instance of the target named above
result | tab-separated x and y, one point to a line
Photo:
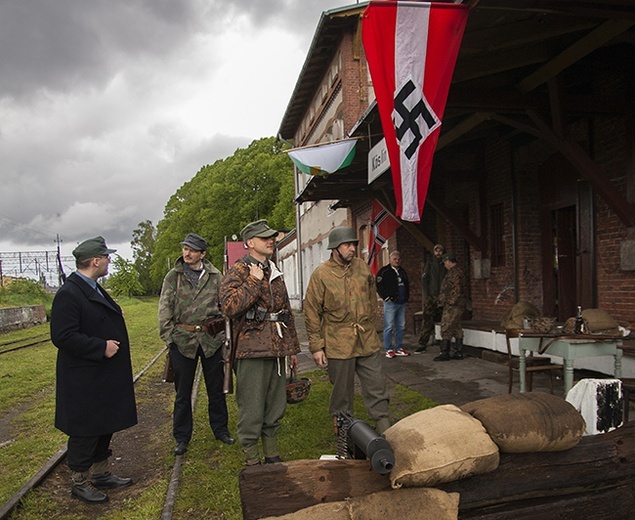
453	290
239	292
190	306
340	309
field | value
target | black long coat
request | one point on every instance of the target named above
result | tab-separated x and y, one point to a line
95	395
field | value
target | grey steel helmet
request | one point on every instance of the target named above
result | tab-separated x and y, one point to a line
341	235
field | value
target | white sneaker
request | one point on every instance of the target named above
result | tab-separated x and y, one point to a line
390	354
401	352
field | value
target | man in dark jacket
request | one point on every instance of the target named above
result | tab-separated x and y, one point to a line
94	393
394	288
254	296
433	274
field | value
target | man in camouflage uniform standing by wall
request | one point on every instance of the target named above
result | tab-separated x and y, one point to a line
453	298
340	310
190	323
433	274
253	294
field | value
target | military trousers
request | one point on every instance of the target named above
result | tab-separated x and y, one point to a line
261	397
184	372
431	314
373	382
451	322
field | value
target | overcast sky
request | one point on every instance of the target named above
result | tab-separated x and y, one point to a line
108	106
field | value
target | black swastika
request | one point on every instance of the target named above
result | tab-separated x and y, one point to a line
409	117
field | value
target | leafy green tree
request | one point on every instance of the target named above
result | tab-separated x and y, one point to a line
256	182
125	280
143	244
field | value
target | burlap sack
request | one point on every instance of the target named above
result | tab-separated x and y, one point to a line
598	321
439	445
529	422
406	504
402	504
330	511
513	318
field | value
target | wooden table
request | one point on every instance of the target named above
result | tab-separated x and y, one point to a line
570	348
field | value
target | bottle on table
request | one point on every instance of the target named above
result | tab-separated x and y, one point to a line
579	322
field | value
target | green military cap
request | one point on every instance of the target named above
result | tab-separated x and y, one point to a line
259	229
91	248
448	256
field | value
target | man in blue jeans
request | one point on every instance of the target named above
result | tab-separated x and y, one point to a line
394	288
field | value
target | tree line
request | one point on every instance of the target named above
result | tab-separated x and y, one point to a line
255	182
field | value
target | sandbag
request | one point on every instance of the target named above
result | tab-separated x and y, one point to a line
437	445
406	504
513	318
598	321
329	510
401	504
529	422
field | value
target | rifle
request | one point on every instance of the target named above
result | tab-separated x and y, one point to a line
228	359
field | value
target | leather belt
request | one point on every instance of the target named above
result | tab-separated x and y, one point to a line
194	328
212	326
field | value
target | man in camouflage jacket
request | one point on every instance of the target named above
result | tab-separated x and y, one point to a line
191	325
453	298
253	294
340	310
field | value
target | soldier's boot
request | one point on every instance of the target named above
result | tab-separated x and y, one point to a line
270	449
252	455
381	425
445	351
83	489
103	478
458	348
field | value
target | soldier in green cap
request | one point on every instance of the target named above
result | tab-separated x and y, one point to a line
192	326
94	392
254	296
340	309
453	299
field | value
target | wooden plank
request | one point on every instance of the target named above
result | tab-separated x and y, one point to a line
525	485
276	489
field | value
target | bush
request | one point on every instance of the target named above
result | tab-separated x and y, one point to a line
21	292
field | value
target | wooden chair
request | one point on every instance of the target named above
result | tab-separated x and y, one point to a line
533	364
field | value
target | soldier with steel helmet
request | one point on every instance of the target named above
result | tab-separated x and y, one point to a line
340	311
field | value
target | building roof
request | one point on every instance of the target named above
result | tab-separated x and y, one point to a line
511	55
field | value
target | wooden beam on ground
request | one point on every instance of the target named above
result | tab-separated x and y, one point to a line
595	479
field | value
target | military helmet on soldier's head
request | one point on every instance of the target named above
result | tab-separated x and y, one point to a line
341	235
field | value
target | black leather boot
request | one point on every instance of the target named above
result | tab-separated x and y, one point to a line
458	347
445	351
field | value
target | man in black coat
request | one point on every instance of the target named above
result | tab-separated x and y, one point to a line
94	393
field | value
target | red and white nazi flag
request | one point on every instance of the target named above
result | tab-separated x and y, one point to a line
411	49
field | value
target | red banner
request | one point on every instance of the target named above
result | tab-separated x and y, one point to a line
382	227
411	49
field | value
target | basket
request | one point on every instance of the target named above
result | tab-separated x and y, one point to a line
297	389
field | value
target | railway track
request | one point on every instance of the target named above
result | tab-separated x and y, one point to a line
17	344
47	468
